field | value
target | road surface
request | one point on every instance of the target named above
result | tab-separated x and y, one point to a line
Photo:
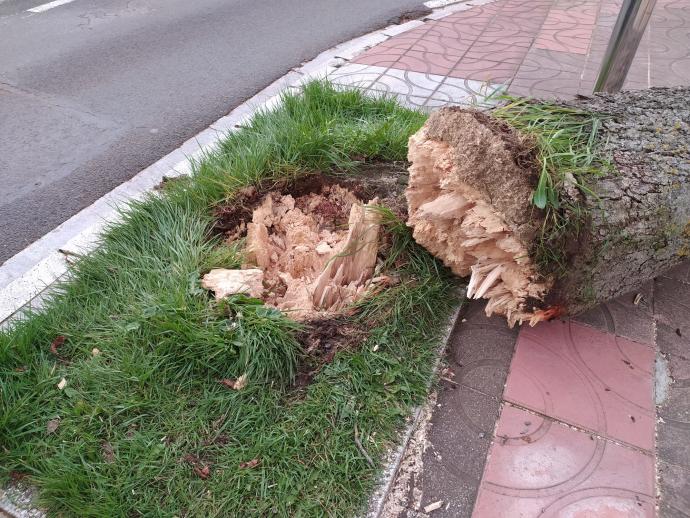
93	91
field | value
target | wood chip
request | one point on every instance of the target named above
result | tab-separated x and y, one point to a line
433	507
56	344
237	384
52	425
250	464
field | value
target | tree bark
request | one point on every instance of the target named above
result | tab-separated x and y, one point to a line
469	200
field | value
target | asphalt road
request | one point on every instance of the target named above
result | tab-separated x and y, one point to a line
93	91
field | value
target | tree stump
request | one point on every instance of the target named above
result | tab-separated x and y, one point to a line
472	178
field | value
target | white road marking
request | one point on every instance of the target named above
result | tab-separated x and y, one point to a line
44	7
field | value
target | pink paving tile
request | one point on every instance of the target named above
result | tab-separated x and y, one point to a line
484	70
380	56
562	41
586	377
446	45
426	63
461	30
540	468
514	56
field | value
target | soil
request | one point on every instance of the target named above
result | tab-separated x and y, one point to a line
322	202
383	180
322	339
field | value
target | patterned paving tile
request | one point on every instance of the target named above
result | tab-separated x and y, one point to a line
538	467
556	82
484	70
467	409
675	499
358	75
623	317
407	83
538	59
595	380
467	91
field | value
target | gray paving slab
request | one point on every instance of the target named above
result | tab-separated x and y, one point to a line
672	314
675	499
467	407
623	317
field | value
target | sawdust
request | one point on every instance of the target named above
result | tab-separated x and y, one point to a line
404	496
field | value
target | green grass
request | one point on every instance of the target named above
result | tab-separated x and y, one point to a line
152	394
568	146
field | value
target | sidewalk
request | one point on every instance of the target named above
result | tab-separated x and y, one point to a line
541	48
584	417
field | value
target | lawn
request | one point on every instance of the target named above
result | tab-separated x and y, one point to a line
110	401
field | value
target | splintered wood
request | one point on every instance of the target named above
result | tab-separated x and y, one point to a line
457	220
317	252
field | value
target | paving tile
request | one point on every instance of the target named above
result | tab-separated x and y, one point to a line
484	70
673	442
538	467
356	75
439	45
514	56
459	439
457	30
671	340
670	72
563	41
679	273
595	380
623	317
482	348
467	91
407	83
426	62
519	40
672	310
559	83
537	59
675	497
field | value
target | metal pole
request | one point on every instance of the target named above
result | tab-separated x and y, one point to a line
626	36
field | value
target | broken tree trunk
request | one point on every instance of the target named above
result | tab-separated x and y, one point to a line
470	203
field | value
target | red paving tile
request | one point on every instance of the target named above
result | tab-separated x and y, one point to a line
559	45
537	467
594	380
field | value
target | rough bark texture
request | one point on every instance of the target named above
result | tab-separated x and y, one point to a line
471	181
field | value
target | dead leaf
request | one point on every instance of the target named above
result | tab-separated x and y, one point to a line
57	343
250	464
108	452
52	425
237	384
434	506
241	382
191	459
62	384
202	473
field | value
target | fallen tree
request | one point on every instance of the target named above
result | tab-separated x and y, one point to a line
552	209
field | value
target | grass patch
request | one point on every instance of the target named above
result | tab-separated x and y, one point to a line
135	420
569	156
